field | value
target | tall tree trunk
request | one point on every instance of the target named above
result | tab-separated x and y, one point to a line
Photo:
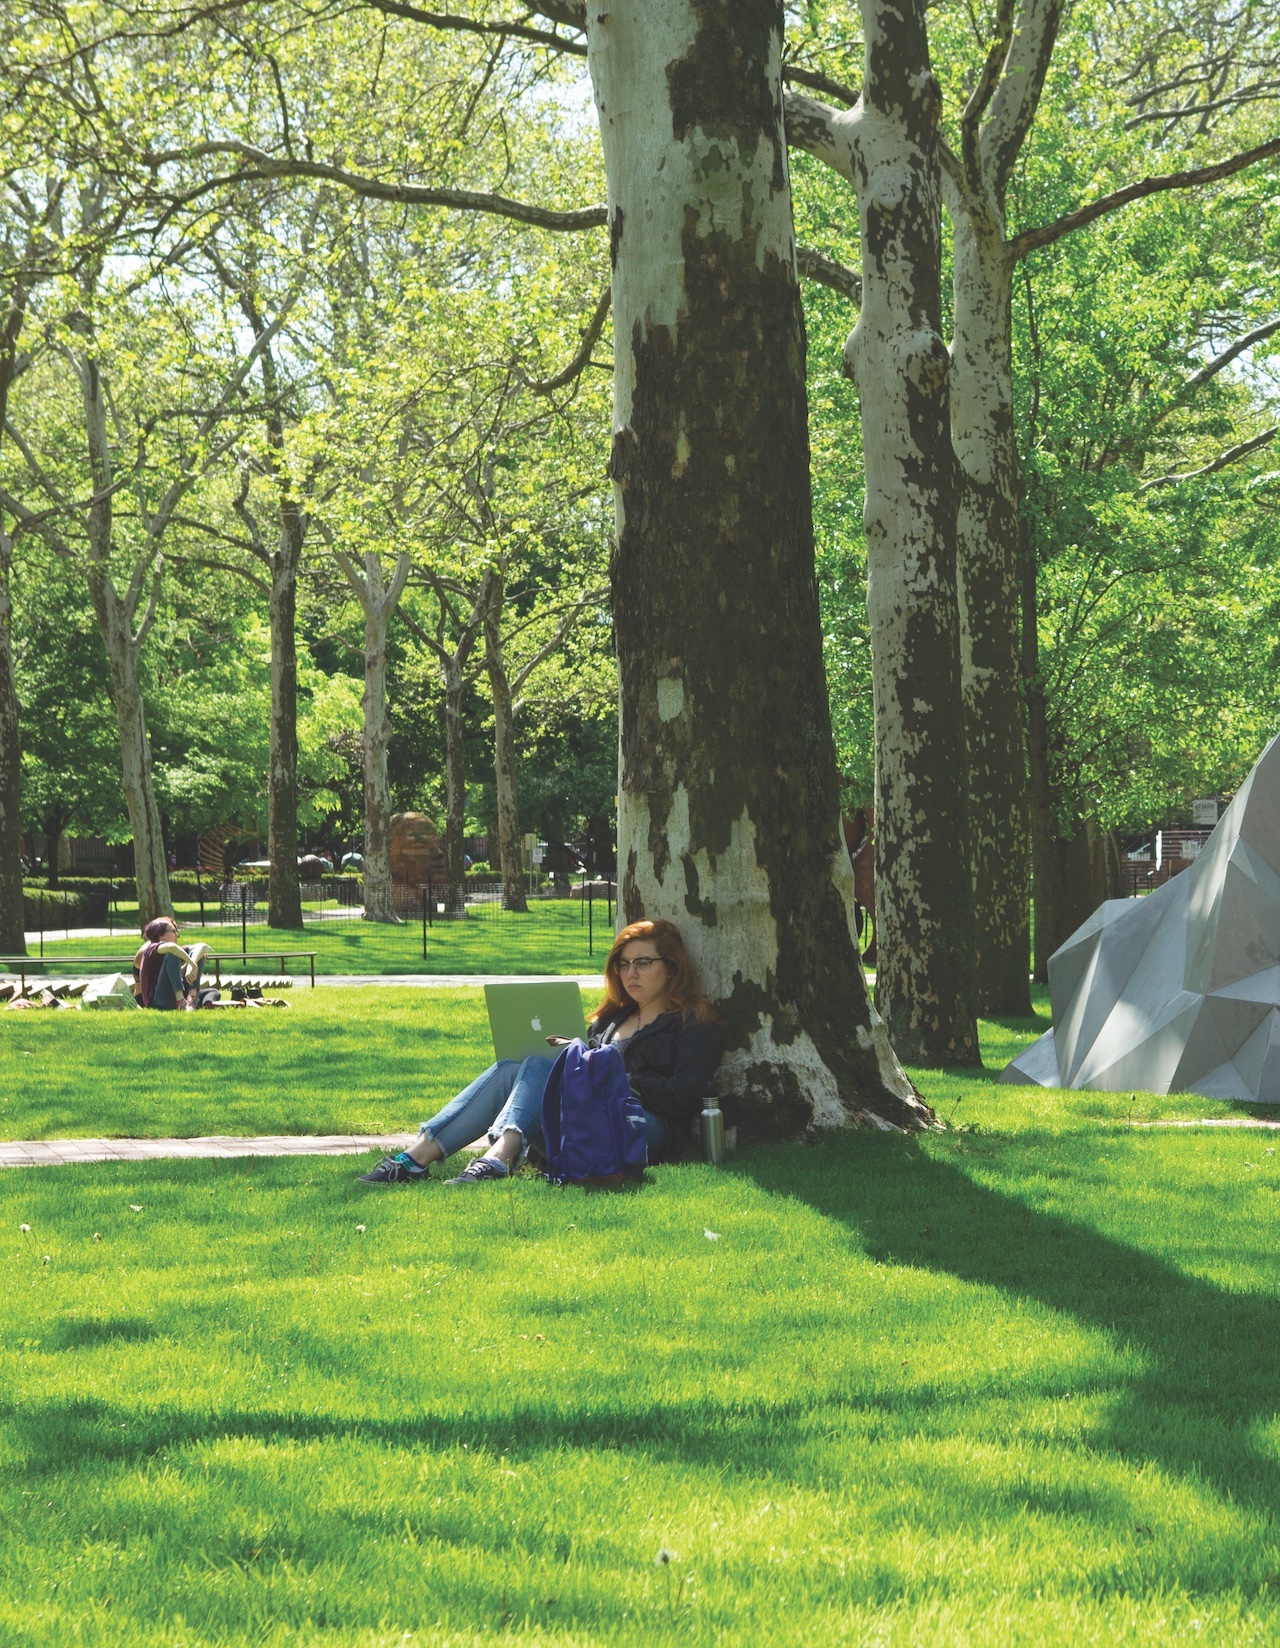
12	924
379	903
993	128
510	851
924	937
987	543
123	645
284	895
728	792
455	766
150	866
1049	877
53	826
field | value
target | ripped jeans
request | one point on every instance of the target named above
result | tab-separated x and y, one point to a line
507	1094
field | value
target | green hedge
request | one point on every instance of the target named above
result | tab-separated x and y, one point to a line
69	907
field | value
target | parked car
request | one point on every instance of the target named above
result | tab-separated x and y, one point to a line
353	861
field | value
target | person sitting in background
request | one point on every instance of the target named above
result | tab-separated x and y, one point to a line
653	1012
167	973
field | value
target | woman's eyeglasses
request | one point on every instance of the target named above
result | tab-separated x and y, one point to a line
639	964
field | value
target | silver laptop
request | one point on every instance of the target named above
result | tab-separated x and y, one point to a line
522	1016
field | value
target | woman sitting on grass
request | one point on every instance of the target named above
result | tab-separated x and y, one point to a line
168	976
653	1012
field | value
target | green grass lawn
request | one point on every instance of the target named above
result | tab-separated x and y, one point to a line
1010	1383
552	938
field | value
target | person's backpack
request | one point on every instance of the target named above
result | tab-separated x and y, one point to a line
592	1125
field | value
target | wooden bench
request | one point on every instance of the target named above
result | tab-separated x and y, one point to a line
66	965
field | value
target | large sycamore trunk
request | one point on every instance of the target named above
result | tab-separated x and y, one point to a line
728	791
924	967
987	548
12	924
284	895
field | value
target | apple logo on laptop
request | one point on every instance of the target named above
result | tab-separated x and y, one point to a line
535	1024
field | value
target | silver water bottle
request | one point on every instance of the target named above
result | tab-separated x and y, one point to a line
713	1131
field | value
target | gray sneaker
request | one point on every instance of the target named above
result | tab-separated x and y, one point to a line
484	1167
392	1170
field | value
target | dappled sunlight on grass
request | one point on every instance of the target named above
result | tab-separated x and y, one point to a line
1013	1381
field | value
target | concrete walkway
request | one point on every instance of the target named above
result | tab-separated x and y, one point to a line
64	1152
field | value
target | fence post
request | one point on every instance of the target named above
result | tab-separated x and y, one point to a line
200	894
431	902
424	924
591	912
608	900
111	903
244	917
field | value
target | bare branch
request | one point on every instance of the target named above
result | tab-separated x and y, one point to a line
260	584
827	272
590	337
262	165
591	598
1232	455
794	75
1032	239
473	25
1213	367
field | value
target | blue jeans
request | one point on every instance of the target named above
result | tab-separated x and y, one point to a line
506	1095
171	988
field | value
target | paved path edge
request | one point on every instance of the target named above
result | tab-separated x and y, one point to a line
66	1152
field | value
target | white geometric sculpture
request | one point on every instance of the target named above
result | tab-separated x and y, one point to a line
1179	992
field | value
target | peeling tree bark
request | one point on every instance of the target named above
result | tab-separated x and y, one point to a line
378	601
728	792
994	126
888	148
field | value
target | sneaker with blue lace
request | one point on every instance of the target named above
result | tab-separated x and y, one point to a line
400	1169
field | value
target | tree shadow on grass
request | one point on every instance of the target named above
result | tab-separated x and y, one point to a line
1211	1356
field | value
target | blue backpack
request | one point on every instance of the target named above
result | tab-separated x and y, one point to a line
592	1125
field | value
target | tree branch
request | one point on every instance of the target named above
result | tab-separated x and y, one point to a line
1213	367
259	584
978	99
1032	239
818	129
472	25
590	337
562	630
1017	97
1232	455
262	165
827	272
794	75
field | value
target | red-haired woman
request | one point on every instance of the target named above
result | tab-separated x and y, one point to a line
653	1012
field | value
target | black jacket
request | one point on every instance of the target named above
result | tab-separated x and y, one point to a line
669	1063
